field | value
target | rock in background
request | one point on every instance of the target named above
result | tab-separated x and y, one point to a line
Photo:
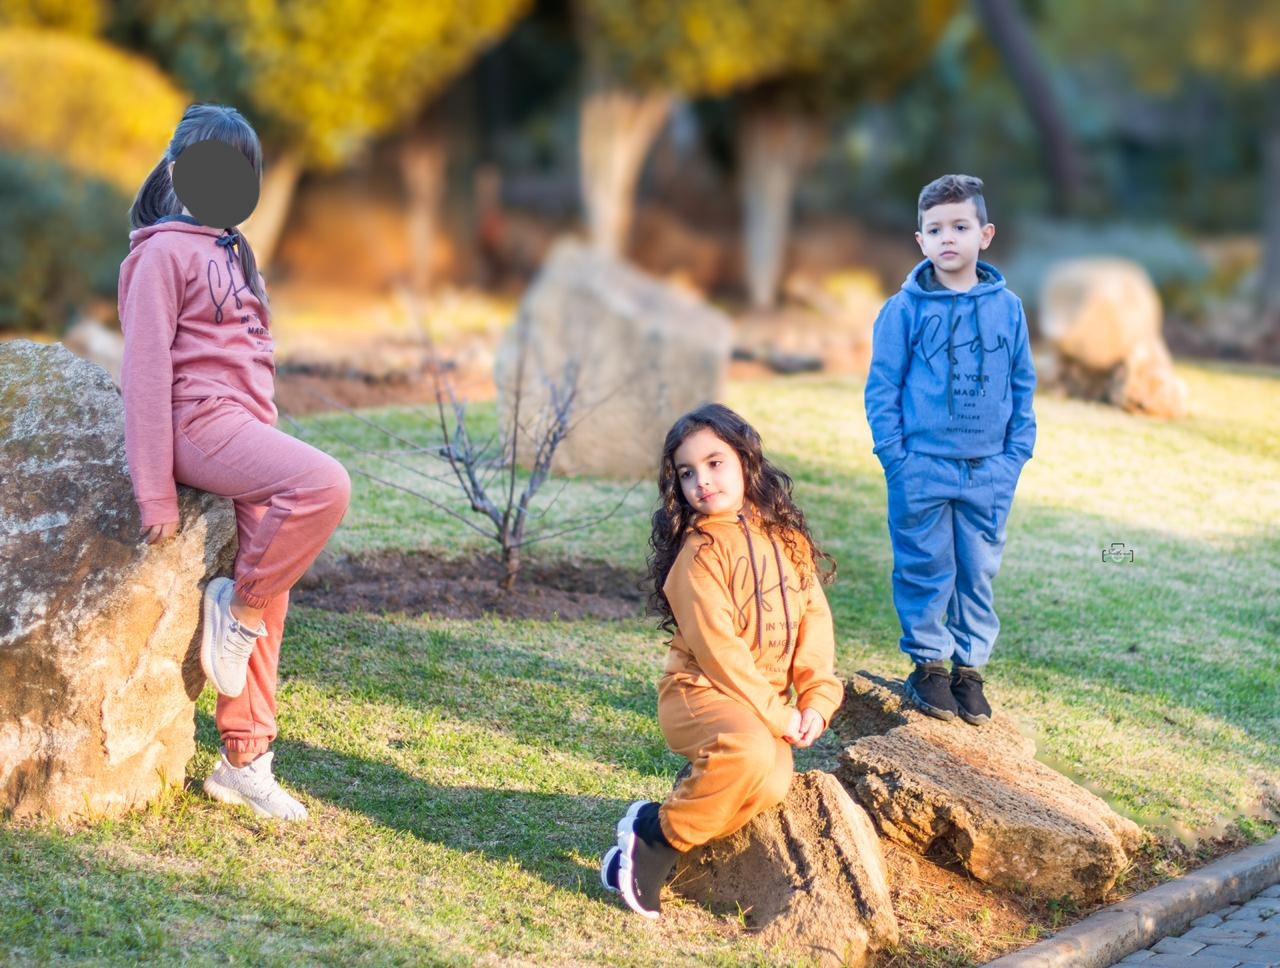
1103	319
97	630
642	354
1009	819
809	874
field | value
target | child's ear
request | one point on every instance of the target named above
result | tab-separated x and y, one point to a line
920	241
988	233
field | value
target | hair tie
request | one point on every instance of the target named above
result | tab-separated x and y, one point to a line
230	239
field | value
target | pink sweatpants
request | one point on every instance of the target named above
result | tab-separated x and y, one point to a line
288	499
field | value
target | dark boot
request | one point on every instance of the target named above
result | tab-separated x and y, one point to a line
929	687
966	686
645	858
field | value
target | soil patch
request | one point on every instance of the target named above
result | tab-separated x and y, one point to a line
420	582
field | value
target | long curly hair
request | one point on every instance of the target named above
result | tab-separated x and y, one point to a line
765	487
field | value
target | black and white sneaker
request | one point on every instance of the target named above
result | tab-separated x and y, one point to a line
966	687
929	687
644	859
610	865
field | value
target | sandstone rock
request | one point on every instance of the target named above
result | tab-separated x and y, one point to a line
1011	820
808	873
1146	383
96	629
1103	319
641	353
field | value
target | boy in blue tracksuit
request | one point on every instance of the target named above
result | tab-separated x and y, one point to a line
949	399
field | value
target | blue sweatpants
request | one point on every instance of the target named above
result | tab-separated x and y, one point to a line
947	524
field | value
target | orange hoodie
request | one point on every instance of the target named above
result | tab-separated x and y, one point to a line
743	631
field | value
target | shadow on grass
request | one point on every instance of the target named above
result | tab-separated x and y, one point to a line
544	833
64	901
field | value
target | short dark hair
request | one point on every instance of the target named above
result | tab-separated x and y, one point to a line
951	188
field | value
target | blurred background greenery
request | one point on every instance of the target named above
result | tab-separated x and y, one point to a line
734	145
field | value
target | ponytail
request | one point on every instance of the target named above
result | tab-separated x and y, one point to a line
156	198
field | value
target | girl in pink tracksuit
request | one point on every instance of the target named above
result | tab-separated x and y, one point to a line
198	382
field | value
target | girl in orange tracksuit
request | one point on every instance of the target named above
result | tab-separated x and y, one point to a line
734	570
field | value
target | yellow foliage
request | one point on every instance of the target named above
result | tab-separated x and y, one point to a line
331	75
710	47
101	112
82	17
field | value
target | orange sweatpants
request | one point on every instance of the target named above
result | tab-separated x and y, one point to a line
740	769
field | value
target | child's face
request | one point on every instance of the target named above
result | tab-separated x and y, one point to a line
951	237
710	473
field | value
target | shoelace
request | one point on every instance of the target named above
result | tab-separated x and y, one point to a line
240	641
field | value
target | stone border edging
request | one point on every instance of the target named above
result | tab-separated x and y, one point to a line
1106	936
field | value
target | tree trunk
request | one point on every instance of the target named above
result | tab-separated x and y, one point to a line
510	567
1269	283
423	157
264	227
1008	31
616	129
774	146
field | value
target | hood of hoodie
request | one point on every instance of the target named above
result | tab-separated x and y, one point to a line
172	223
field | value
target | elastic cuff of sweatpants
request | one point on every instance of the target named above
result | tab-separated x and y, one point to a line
674	839
252	600
259	745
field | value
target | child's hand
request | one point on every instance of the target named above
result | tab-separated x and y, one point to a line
160	532
794	731
811	727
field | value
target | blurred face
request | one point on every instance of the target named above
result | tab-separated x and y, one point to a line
710	473
951	237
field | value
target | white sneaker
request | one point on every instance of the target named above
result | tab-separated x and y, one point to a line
225	644
253	786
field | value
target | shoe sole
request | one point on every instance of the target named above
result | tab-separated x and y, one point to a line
208	611
946	715
223	794
972	720
627	846
605	860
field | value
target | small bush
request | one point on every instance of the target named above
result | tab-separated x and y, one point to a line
66	237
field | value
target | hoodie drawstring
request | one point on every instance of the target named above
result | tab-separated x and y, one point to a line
755	577
782	588
951	321
229	241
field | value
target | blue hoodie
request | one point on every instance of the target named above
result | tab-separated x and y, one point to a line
951	372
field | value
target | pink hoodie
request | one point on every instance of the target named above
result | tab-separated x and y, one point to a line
192	329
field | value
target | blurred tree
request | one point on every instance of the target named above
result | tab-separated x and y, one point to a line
69	242
320	80
1009	32
792	60
1162	41
104	116
83	17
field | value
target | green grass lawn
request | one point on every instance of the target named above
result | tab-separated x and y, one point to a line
462	776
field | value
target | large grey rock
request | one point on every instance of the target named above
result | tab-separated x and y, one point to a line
96	629
1011	820
808	874
639	352
1103	319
